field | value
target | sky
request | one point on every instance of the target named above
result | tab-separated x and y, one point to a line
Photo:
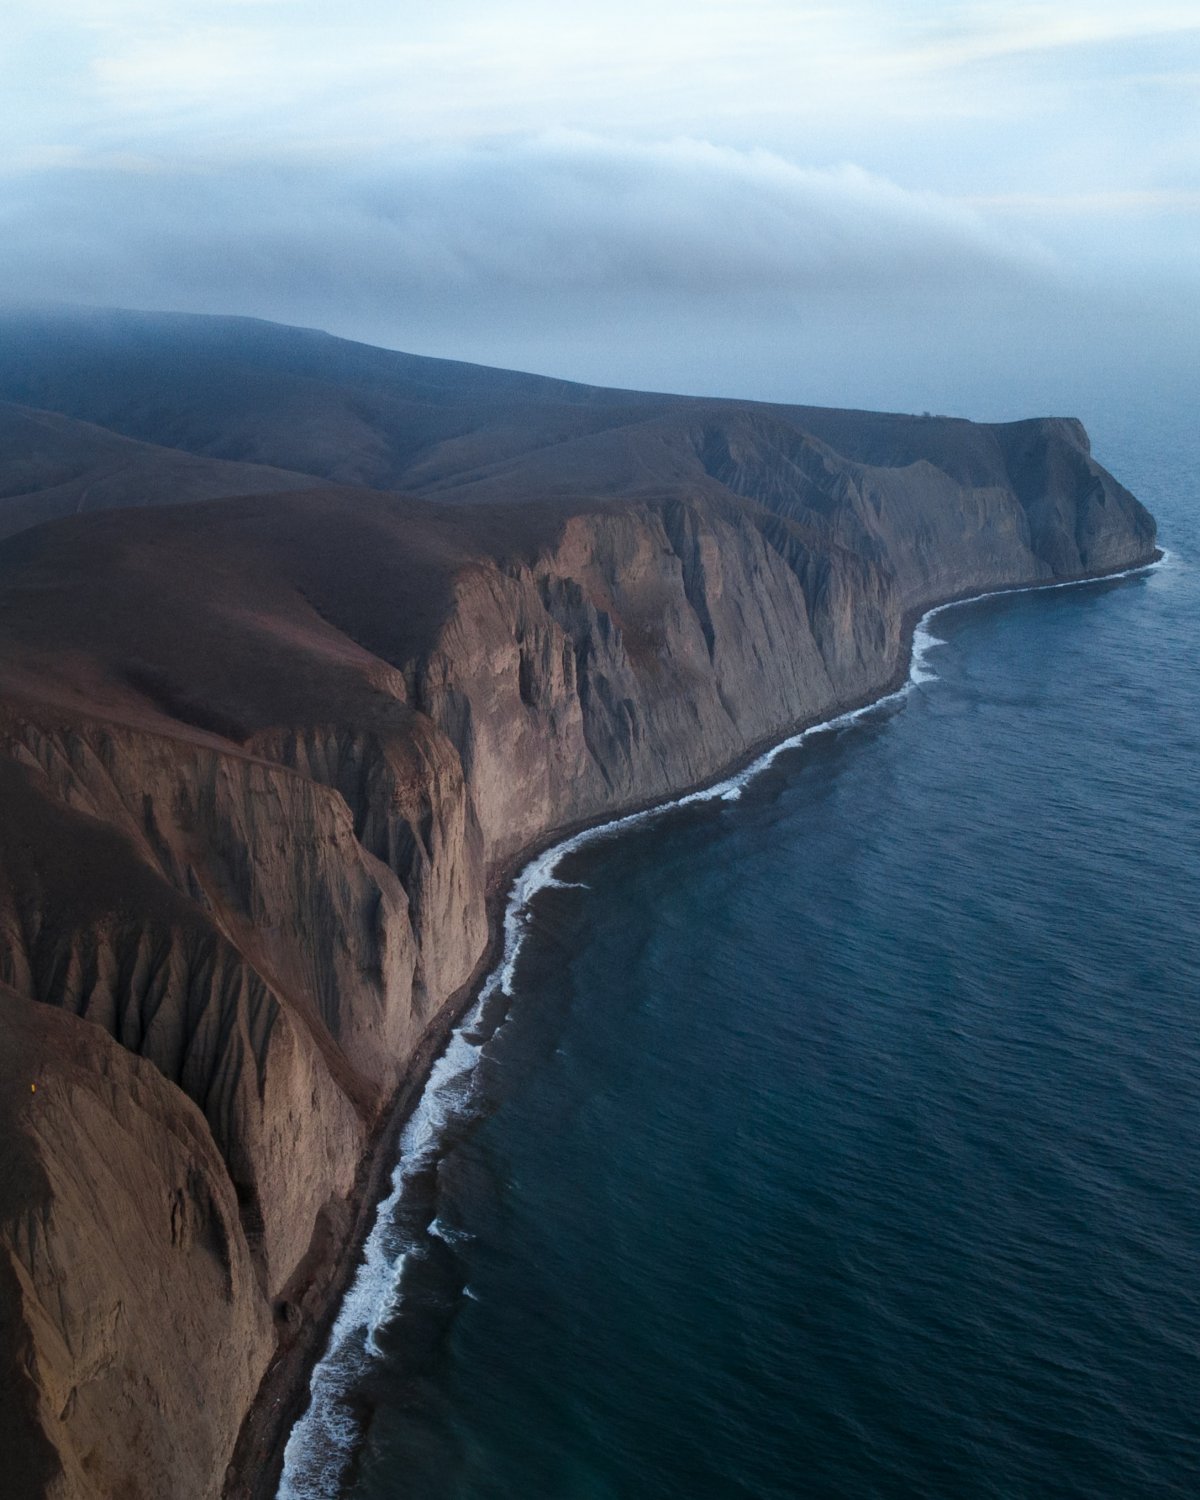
986	208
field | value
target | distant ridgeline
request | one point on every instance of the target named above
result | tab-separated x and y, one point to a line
301	643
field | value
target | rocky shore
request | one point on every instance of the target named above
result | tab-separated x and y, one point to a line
266	759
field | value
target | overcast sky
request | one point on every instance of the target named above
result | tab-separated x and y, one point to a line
982	207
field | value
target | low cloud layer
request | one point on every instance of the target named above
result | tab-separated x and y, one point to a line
564	216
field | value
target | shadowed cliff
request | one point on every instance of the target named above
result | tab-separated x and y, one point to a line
261	756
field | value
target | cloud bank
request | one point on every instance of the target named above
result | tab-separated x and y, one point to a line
559	216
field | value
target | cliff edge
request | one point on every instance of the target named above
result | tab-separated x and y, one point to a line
264	756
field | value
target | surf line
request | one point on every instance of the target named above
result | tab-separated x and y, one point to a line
323	1439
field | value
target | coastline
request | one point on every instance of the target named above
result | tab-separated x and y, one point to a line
257	1464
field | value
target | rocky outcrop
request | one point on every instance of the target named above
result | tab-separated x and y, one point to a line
133	1332
644	650
261	760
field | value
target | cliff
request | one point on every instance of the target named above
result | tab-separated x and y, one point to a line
262	757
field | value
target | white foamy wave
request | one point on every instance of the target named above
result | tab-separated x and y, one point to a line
447	1235
323	1440
924	640
922	644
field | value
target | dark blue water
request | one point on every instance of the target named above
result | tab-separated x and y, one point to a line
844	1140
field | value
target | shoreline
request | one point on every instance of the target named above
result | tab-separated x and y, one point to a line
256	1467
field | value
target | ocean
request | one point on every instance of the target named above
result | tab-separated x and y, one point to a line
838	1134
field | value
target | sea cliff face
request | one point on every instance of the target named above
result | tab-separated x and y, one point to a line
261	760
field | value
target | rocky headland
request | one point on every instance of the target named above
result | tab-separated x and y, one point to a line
302	643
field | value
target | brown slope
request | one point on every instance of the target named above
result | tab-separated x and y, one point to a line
52	466
239	389
302	400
